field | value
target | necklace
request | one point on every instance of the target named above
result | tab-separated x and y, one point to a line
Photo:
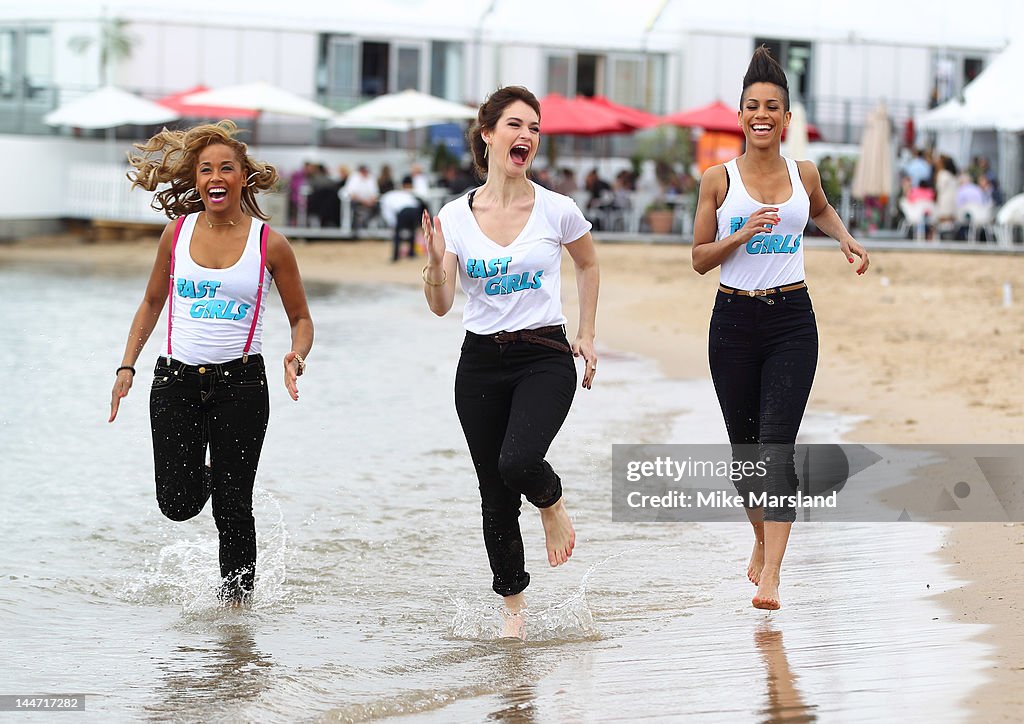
211	224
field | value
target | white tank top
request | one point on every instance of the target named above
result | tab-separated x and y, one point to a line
767	260
212	309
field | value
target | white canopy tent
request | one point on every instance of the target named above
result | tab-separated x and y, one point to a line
990	103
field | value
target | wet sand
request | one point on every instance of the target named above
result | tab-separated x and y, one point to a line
922	348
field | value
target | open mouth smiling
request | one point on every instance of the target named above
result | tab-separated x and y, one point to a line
519	153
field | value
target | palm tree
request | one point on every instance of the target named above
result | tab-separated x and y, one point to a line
115	44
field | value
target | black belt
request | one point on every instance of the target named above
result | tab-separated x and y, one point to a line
531	335
219	368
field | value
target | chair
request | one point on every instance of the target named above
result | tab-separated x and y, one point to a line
916	217
1010	216
977	218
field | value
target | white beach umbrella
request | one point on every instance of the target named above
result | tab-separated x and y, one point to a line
796	143
873	173
410	108
109	107
376	125
261	97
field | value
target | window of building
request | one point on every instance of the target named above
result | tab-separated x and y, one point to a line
7	65
951	71
631	79
408	67
38	63
655	98
352	70
26	63
972	67
340	87
626	82
795	58
446	68
589	75
373	71
560	74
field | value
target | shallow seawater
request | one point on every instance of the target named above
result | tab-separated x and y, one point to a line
373	596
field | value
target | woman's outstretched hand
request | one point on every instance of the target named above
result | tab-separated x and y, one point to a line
584	347
122	384
292	370
433	240
852	248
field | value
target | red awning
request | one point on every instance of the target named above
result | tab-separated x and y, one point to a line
577	117
719	117
713	117
187	110
630	116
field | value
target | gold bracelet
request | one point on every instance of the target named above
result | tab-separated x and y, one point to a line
444	277
302	364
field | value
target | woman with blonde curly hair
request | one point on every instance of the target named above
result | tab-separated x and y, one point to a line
209	389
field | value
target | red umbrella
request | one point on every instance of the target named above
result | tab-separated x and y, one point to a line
193	111
630	116
719	117
577	117
713	117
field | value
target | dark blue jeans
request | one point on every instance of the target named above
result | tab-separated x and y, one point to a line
512	399
224	407
763	357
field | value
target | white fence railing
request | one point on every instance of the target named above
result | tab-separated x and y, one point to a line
101	191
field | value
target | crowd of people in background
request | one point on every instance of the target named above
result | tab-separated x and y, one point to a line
941	199
316	197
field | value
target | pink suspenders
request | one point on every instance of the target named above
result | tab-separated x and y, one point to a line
170	286
264	233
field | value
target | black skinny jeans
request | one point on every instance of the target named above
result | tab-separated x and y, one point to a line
226	407
763	357
512	398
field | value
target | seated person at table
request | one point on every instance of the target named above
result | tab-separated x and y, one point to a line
402	210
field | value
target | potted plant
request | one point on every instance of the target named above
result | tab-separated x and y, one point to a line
659	216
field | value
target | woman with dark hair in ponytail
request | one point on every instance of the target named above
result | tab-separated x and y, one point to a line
516	377
763	345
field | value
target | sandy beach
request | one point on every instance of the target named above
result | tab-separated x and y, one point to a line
922	349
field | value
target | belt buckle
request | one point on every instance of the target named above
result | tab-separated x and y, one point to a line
502	337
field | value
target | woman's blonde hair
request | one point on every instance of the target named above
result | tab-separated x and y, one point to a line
171	157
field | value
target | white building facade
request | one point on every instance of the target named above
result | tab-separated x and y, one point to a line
660	55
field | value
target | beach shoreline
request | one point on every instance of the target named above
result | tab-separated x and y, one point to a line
917	347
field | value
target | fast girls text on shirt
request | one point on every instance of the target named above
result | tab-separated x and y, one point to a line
210	307
766	243
500	281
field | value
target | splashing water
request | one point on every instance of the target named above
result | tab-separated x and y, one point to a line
567	620
187	573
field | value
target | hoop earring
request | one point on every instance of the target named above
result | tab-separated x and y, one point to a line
248	179
190	192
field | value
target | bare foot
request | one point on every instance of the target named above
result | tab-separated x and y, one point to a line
559	535
756	562
513	615
767	596
513	625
